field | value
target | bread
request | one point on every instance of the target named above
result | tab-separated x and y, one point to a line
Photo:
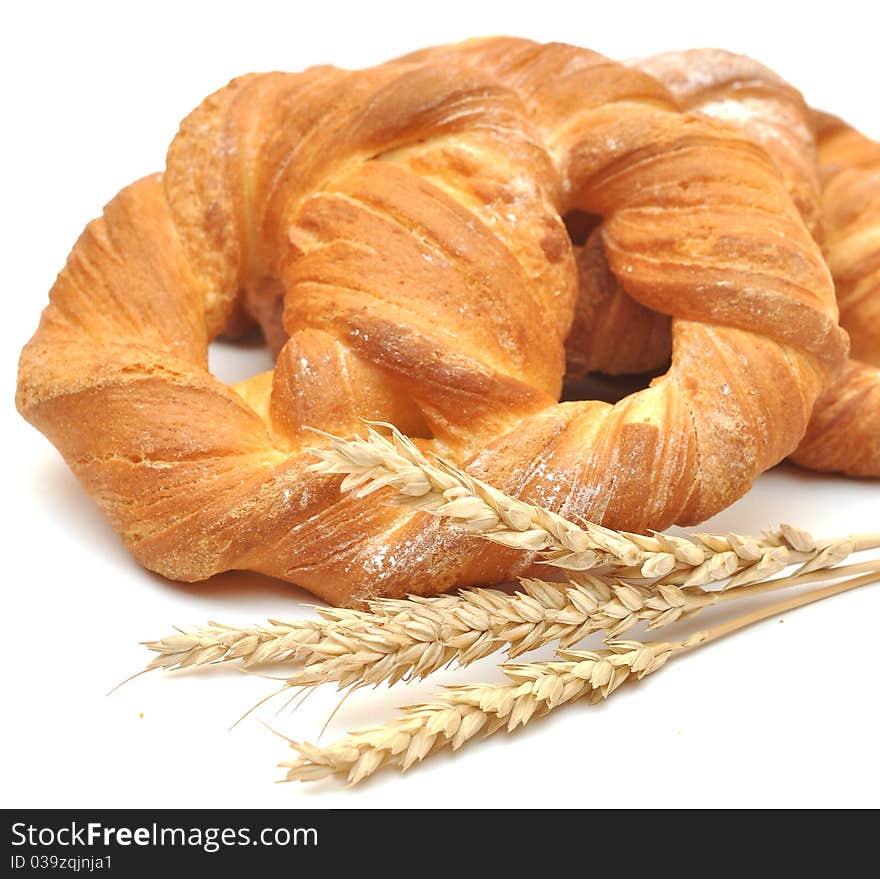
844	432
398	232
833	175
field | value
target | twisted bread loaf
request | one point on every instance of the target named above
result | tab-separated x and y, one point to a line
844	432
405	223
842	211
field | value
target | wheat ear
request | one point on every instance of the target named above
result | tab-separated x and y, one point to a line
412	638
438	487
535	689
416	636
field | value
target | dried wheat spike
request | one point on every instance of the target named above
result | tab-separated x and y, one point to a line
412	638
460	712
534	689
438	487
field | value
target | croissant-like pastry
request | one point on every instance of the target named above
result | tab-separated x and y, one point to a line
833	175
844	432
406	224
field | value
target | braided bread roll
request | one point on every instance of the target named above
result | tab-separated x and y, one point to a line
844	432
842	210
405	223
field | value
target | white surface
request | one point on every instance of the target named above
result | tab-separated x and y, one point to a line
779	715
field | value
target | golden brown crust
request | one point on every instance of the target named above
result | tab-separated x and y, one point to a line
844	432
833	175
612	333
412	216
850	164
750	96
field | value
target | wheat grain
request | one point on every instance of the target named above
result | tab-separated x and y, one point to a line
534	689
478	623
217	643
416	636
461	712
413	638
440	488
616	579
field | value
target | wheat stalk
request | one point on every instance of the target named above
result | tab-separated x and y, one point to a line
656	579
440	488
416	636
412	638
534	689
459	713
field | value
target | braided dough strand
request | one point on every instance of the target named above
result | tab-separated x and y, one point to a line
833	174
844	432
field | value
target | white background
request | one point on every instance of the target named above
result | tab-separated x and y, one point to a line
779	715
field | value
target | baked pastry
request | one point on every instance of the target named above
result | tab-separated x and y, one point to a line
844	432
406	223
833	174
